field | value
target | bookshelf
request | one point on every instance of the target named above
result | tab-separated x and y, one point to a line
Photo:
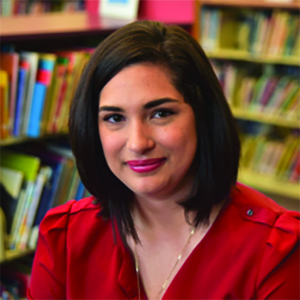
269	184
239	36
47	33
56	24
232	54
264	118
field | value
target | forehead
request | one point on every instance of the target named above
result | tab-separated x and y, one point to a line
138	84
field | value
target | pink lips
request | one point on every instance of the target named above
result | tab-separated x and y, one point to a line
145	165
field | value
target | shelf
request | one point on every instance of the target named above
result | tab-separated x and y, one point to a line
246	56
253	3
11	141
264	118
270	184
14	254
18	140
24	26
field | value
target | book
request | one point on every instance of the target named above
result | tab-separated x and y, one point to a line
291	146
29	165
76	62
275	49
281	86
4	105
10	63
295	171
44	77
268	91
57	104
289	90
27	223
31	58
259	88
11	183
21	92
49	192
292	34
7	8
68	173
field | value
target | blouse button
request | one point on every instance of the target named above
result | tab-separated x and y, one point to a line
250	212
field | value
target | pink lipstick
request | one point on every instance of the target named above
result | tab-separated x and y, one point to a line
145	165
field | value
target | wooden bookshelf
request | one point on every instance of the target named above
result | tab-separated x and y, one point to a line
19	140
15	254
294	4
231	54
270	184
14	140
265	183
58	24
264	118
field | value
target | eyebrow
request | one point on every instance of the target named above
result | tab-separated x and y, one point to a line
148	105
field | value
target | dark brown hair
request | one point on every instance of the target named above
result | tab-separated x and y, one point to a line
218	145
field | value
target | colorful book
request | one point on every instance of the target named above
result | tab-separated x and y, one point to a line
54	94
31	58
31	209
29	165
21	92
43	81
9	62
11	184
4	105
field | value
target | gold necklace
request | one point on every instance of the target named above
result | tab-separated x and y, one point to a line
137	270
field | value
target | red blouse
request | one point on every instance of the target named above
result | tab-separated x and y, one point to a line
250	252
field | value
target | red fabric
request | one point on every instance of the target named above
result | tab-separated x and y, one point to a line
243	256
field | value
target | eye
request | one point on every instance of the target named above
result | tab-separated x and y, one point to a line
162	113
114	118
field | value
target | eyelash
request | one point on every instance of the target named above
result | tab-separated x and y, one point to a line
169	112
107	118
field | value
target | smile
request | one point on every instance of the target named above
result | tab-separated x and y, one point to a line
146	165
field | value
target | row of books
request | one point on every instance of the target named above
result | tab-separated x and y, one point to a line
270	93
268	155
270	32
32	182
36	91
31	7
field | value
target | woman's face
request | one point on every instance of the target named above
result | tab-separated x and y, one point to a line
147	131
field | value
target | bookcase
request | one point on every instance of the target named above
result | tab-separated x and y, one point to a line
254	47
59	44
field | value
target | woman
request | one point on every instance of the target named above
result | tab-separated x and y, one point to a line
157	146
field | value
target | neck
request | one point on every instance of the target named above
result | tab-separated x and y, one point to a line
155	215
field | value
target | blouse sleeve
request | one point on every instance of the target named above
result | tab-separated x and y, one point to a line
48	278
279	271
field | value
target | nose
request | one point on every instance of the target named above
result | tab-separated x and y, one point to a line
140	138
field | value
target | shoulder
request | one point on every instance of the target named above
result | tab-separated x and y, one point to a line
275	230
59	217
272	235
267	222
256	207
243	195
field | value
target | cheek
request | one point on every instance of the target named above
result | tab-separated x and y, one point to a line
110	143
180	139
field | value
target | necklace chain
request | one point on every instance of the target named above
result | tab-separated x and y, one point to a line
137	270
